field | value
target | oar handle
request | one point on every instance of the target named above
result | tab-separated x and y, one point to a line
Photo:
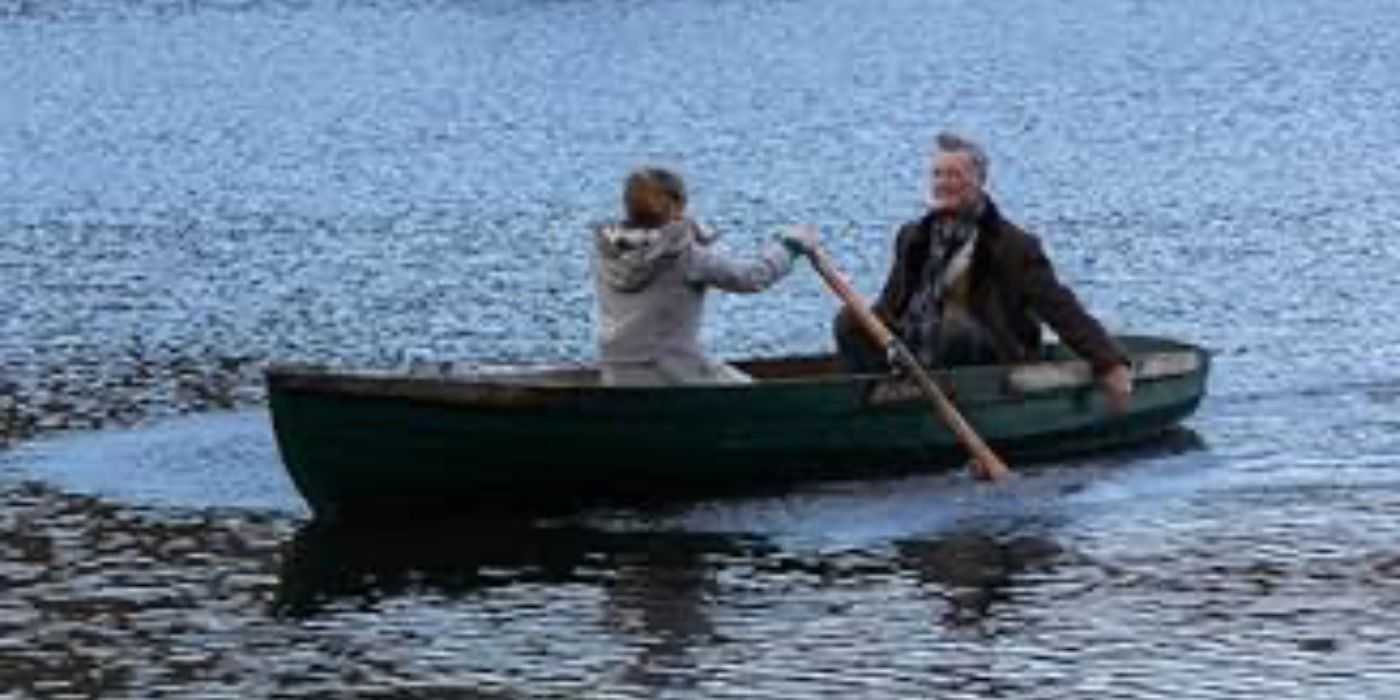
991	466
851	298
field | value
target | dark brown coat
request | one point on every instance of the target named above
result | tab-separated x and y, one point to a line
1013	289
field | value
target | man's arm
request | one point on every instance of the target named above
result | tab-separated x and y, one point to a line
884	304
1060	308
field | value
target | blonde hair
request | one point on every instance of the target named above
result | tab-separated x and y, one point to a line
668	181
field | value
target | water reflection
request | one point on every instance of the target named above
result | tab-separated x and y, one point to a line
327	564
973	570
99	597
661	596
660	591
187	197
657	586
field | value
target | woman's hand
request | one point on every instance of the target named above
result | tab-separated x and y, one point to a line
801	240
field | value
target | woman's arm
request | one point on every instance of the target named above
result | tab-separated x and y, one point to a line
709	265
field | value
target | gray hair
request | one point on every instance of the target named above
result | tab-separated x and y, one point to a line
949	142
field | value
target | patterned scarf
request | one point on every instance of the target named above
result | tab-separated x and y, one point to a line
951	243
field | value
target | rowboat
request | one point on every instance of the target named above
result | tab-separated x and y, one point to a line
361	443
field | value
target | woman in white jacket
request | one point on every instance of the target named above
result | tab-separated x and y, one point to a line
651	272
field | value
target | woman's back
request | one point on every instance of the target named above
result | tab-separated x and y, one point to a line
650	275
647	308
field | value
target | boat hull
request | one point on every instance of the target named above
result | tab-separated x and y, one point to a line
367	443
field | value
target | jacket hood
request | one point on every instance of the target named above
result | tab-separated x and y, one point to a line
629	258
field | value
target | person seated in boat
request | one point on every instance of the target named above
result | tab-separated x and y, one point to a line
969	287
651	272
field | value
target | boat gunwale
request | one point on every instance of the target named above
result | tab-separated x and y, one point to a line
505	386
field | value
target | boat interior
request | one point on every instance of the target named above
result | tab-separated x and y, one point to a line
1058	366
588	375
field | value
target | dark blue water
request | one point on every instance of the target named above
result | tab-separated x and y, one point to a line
190	190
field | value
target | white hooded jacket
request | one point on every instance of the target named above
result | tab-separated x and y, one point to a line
650	285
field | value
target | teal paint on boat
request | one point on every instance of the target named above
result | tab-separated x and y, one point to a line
368	442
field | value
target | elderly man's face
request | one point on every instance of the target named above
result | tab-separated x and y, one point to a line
953	183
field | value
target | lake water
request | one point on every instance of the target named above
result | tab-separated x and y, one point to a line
189	190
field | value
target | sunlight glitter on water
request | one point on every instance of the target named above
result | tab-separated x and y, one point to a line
191	190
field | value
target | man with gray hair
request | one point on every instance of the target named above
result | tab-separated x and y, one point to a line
968	287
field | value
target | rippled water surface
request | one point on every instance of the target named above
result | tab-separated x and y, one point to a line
189	190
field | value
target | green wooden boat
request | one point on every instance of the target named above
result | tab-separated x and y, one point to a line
363	443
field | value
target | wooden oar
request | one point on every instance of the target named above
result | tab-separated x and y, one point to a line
986	464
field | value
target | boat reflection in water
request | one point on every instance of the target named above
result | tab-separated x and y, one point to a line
669	598
657	587
329	562
673	588
973	570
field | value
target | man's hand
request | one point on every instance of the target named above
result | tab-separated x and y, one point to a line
1117	385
